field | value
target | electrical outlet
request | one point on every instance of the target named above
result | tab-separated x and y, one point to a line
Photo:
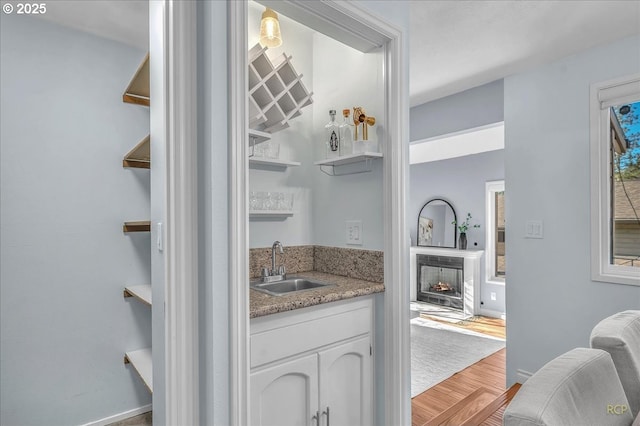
354	232
493	296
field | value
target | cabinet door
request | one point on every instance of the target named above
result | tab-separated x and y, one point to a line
345	384
285	394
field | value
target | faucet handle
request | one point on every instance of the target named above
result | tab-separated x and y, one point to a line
265	272
282	270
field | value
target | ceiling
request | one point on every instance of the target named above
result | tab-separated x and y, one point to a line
454	44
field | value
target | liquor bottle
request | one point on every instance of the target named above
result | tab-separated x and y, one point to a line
346	134
332	136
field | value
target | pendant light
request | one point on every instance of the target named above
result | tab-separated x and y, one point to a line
270	29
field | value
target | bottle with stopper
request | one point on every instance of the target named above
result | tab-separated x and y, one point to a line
332	136
346	134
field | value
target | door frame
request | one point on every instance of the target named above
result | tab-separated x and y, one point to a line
341	17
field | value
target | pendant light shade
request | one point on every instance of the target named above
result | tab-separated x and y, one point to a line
270	29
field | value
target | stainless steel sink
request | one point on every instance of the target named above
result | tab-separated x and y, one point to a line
288	286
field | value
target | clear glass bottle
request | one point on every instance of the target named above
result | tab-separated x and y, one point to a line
346	134
332	136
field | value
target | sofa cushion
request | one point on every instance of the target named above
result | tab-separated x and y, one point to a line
579	388
619	335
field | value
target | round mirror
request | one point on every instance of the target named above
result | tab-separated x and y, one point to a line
436	224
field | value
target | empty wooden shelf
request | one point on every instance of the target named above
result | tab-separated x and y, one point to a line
138	90
140	292
140	156
141	362
137	226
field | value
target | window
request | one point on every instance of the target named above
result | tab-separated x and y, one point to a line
615	181
496	249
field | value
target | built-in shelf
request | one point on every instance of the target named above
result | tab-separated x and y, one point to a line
138	90
275	214
273	162
365	158
140	156
137	226
140	292
276	92
141	362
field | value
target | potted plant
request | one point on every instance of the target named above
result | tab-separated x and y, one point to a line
463	227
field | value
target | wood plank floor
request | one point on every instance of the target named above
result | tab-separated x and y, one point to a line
492	326
470	387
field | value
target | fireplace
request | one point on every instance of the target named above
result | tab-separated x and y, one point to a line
440	280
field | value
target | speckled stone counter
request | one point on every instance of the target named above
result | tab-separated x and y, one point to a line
261	304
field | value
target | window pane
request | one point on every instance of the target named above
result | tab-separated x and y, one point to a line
625	185
499	238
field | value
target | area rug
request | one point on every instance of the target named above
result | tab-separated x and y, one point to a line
438	351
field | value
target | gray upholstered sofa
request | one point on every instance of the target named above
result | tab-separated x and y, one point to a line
596	386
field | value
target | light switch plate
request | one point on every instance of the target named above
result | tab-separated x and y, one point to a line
354	232
534	229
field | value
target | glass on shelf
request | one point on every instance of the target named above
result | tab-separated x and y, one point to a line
270	201
268	149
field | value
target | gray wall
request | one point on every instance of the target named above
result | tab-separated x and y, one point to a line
213	219
63	257
475	107
552	303
461	181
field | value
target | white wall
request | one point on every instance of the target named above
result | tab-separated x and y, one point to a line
552	303
64	195
461	181
339	77
345	78
295	143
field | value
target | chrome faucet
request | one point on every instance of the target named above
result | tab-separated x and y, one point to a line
275	245
276	274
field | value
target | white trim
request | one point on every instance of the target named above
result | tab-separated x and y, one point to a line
458	144
491	313
122	416
181	252
396	159
522	376
601	96
238	215
491	188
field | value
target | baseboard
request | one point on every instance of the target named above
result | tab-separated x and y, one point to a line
121	416
522	375
492	313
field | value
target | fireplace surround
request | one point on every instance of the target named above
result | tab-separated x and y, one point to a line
447	277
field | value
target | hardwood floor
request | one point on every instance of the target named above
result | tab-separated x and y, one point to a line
474	396
492	326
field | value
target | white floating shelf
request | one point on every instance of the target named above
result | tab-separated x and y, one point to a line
364	159
141	361
259	136
260	161
349	159
140	292
271	213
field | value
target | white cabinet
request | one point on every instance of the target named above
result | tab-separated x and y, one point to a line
285	394
345	384
313	366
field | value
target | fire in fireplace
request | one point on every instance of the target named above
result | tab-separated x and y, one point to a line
441	280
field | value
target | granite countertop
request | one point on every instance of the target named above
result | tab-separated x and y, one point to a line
261	304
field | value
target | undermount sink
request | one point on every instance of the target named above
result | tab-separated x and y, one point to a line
291	285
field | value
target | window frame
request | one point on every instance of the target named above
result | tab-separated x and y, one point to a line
603	95
491	188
